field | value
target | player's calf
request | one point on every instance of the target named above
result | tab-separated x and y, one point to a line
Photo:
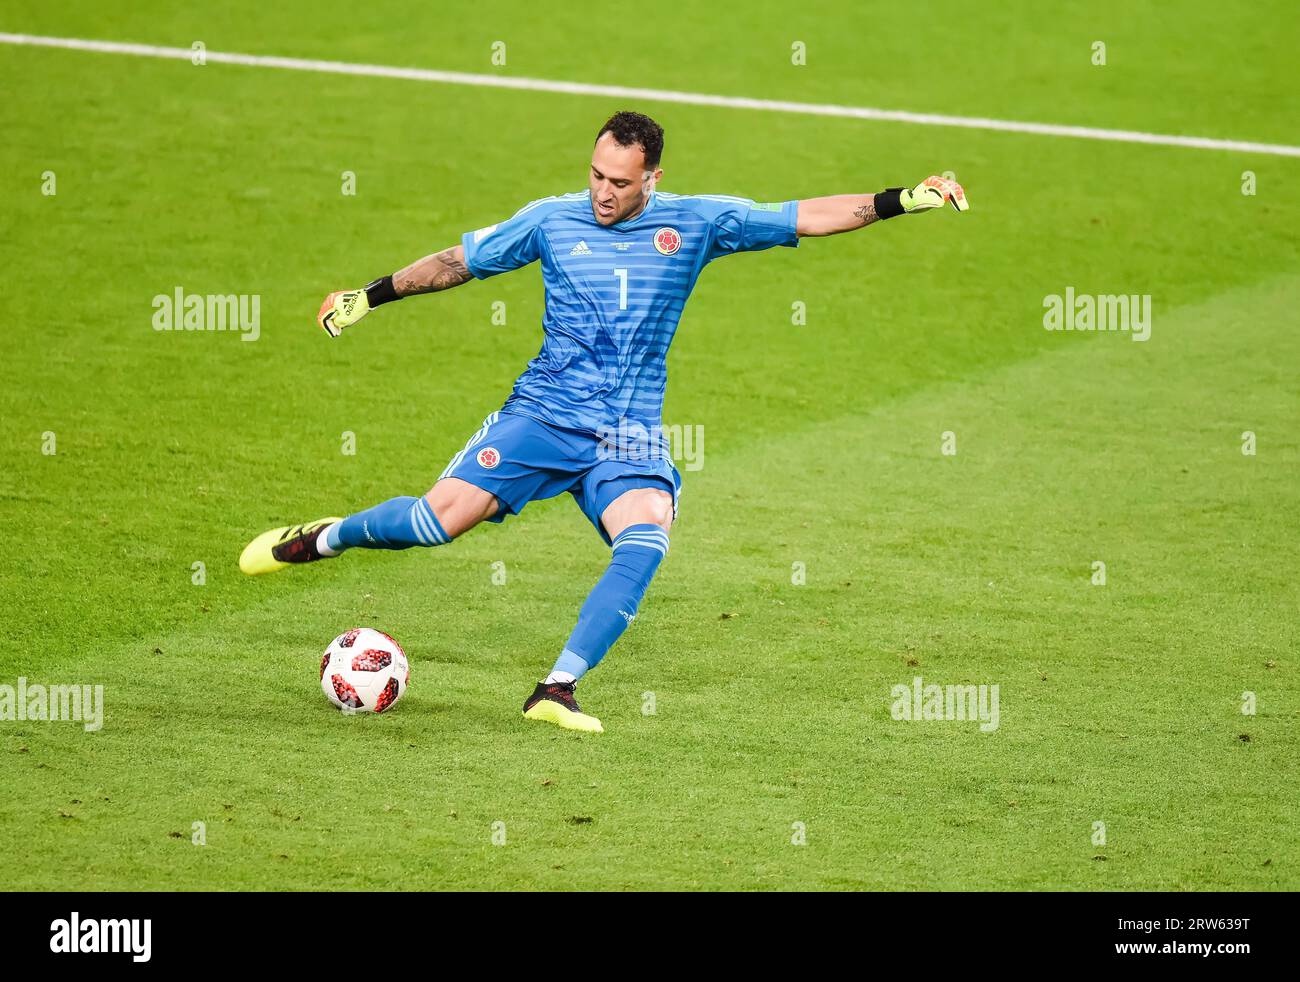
398	523
451	508
616	598
609	609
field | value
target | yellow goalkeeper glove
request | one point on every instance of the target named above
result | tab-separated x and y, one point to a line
932	193
341	309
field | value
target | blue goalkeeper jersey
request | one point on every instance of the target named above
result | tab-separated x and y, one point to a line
614	295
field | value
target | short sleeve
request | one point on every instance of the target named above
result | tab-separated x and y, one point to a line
507	245
744	226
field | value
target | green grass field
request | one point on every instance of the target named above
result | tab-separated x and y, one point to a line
1120	703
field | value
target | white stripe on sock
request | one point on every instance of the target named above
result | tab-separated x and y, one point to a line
419	527
423	513
632	536
646	543
431	520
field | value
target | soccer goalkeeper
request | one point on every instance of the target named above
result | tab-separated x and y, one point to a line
618	263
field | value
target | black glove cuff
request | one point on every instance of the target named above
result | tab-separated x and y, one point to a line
381	291
889	203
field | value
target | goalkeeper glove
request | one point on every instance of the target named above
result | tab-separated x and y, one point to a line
345	307
341	309
932	193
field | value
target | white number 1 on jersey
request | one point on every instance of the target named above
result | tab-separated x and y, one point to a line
622	288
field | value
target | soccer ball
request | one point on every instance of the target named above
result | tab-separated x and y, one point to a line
364	671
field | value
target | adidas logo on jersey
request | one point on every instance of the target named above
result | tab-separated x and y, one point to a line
581	249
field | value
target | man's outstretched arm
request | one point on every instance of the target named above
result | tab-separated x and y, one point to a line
440	271
845	212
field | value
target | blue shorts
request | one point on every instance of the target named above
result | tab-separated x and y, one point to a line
520	459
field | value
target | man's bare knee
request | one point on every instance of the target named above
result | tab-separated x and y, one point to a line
640	506
659	509
459	505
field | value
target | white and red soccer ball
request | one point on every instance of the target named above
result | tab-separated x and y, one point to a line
364	671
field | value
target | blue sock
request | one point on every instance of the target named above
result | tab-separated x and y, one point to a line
614	600
398	523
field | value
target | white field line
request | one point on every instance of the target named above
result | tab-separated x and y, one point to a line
654	95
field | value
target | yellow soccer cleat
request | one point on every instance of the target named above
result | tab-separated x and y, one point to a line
281	547
553	702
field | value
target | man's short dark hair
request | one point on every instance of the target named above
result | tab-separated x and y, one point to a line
635	130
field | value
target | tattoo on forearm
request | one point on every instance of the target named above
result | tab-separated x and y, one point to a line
441	271
867	212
